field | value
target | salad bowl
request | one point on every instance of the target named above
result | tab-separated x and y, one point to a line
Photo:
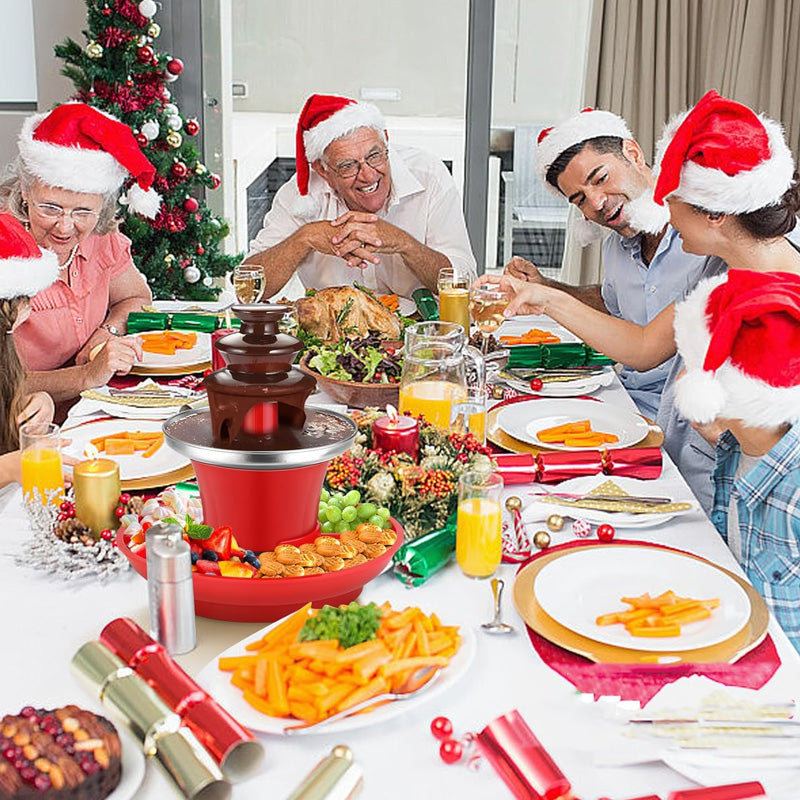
351	393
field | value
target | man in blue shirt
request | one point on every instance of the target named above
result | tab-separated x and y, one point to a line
593	160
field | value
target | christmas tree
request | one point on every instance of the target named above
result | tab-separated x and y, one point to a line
119	71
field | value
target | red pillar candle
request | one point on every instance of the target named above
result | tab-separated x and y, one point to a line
396	432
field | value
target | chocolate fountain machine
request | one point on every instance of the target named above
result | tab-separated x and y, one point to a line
260	457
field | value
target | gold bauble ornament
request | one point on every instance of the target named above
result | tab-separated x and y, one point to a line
541	539
174	139
169	258
555	522
513	503
201	169
94	50
154	30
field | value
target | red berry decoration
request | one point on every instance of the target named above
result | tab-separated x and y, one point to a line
61	516
179	169
450	751
106	535
190	205
145	54
192	127
200	249
215	181
442	728
124	498
141	139
536	384
129	83
65	505
106	11
174	66
119	511
605	533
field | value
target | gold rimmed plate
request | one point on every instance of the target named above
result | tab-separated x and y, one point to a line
727	651
183	362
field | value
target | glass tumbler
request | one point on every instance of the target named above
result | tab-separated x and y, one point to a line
42	471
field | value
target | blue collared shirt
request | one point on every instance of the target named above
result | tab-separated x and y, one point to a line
638	292
767	501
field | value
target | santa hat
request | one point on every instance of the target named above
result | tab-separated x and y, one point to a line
739	336
324	119
591	124
723	157
24	268
79	148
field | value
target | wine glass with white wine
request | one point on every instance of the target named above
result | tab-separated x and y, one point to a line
248	283
486	306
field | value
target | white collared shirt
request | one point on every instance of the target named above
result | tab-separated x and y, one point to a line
424	202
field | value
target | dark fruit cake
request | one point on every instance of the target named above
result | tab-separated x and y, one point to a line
58	753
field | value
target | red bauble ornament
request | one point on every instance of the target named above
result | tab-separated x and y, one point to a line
215	181
451	751
141	139
174	66
190	205
179	169
145	54
200	249
192	127
105	11
129	83
442	728
605	532
536	384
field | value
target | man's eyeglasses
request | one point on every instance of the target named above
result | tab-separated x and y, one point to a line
79	215
349	169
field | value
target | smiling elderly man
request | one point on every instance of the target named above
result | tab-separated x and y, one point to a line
359	211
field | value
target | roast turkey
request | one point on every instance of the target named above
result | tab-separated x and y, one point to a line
341	311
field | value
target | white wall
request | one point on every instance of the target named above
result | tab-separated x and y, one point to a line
287	49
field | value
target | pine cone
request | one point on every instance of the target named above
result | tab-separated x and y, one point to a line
135	505
70	530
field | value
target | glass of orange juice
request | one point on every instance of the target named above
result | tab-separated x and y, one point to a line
453	291
479	545
42	472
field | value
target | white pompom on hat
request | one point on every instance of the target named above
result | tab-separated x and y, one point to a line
79	148
324	119
25	269
739	336
721	156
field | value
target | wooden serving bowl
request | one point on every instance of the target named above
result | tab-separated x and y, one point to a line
356	395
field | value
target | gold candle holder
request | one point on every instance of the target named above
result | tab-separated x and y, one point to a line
96	486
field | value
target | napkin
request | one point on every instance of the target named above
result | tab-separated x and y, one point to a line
127	406
611	488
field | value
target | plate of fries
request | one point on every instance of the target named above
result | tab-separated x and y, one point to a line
270	681
642	598
138	446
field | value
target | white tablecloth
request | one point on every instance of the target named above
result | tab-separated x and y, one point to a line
45	621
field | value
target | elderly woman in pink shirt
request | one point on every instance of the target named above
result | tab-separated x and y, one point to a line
63	187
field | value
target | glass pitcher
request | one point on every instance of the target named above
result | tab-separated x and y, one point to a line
435	364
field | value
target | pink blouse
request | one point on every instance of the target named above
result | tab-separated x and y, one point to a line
64	316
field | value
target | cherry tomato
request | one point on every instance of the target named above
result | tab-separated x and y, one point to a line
605	533
442	728
537	384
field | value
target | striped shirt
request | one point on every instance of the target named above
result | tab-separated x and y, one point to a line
767	500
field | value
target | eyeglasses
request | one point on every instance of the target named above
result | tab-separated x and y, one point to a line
349	169
80	216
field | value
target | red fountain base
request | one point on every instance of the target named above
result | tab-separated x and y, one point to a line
262	507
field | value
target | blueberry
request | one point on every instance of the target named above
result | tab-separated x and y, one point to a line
210	555
250	558
195	557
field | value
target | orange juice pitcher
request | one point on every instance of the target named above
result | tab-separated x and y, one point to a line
435	365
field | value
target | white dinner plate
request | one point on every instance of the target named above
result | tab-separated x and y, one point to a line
218	683
199	354
516	327
619	519
580	586
574	388
524	420
406	306
164	460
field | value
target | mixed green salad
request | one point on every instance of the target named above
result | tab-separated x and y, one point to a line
364	360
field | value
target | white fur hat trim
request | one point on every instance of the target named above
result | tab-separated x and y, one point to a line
348	119
25	277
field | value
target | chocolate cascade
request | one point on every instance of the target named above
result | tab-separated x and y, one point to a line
258	399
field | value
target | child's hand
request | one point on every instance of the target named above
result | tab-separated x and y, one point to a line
39	408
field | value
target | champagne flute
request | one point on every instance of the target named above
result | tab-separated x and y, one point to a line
248	283
487	304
